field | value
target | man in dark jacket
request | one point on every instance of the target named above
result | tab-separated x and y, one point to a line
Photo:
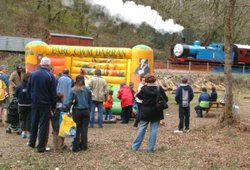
184	95
24	106
42	88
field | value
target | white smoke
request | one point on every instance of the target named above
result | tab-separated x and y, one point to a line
68	3
136	14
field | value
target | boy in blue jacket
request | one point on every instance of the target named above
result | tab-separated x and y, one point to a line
184	95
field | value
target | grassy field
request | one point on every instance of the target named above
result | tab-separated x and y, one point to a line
206	146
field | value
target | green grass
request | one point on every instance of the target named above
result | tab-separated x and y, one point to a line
232	164
5	166
12	60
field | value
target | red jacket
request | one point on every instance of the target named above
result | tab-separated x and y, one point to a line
125	95
109	102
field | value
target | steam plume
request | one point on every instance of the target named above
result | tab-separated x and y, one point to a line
136	15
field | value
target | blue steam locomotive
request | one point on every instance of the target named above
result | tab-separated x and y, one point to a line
214	53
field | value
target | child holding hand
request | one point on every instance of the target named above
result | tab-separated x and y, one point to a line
57	140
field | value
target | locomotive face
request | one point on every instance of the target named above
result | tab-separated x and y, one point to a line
178	50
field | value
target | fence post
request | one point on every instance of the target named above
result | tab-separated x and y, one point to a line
207	67
167	65
243	69
189	66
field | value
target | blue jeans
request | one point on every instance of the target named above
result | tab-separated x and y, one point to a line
141	133
108	114
100	114
138	114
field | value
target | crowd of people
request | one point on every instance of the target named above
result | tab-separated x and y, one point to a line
42	97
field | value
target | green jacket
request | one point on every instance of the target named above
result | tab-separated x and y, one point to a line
204	104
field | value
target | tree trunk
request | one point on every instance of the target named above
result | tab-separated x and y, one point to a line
227	118
39	4
49	10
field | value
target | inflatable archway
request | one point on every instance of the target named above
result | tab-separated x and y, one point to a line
117	65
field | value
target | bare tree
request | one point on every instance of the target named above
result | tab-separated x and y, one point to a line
227	117
39	4
49	10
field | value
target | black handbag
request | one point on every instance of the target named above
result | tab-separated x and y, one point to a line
161	103
73	104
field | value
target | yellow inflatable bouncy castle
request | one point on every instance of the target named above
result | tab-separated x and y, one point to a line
117	65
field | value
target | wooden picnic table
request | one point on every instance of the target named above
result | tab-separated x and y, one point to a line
219	106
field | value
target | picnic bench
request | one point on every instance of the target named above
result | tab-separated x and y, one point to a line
215	106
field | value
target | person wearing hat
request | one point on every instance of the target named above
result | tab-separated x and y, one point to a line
184	95
42	89
4	103
15	79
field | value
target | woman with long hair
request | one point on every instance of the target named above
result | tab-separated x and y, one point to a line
80	97
84	74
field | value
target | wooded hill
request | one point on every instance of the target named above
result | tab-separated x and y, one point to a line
202	20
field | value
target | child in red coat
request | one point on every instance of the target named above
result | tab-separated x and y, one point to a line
126	97
108	105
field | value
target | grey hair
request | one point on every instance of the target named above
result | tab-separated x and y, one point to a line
2	67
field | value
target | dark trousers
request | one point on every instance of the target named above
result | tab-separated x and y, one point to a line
108	114
126	114
199	110
25	117
81	118
184	116
138	114
40	115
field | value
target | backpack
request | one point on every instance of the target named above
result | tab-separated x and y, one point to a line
3	90
161	103
185	98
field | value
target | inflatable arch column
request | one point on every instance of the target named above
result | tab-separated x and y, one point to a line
142	63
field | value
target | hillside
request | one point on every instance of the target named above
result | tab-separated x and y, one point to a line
36	18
